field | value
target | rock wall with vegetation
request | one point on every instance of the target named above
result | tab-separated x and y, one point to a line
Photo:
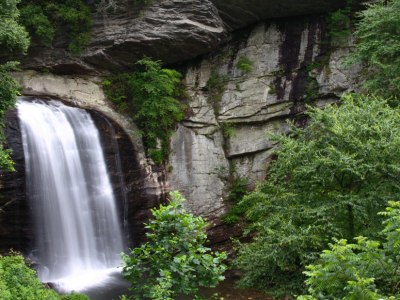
245	75
241	95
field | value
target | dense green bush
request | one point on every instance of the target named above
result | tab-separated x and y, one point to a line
378	47
215	87
238	188
9	89
13	36
367	270
151	97
339	22
174	260
244	64
44	18
13	39
19	282
329	180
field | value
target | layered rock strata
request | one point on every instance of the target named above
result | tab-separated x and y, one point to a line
226	134
173	31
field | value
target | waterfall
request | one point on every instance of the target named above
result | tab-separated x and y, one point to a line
78	234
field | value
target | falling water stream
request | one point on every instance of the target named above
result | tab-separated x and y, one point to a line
78	234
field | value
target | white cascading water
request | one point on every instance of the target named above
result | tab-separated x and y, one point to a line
78	233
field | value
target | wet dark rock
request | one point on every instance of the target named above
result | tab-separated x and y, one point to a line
134	199
127	177
16	227
241	13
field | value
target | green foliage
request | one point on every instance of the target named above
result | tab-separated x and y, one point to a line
9	89
238	188
339	22
44	18
174	260
35	19
13	36
365	270
244	64
228	130
330	180
19	282
378	47
215	87
312	89
150	96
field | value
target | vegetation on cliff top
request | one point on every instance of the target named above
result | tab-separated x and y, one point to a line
44	19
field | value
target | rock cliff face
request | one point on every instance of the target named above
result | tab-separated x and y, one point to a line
173	31
249	66
241	13
170	30
225	136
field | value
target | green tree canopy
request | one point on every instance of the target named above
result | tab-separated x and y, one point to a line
13	39
44	18
378	46
13	36
367	269
330	179
174	260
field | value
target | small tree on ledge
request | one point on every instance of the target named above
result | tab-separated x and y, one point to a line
174	260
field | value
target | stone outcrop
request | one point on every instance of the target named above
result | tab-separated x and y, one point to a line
225	135
169	30
241	13
173	31
243	86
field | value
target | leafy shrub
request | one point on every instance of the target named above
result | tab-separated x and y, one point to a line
329	180
150	96
44	18
378	47
13	36
339	22
215	87
244	64
238	188
9	89
19	282
365	270
174	260
35	19
13	39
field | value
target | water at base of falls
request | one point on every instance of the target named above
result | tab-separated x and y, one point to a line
78	235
